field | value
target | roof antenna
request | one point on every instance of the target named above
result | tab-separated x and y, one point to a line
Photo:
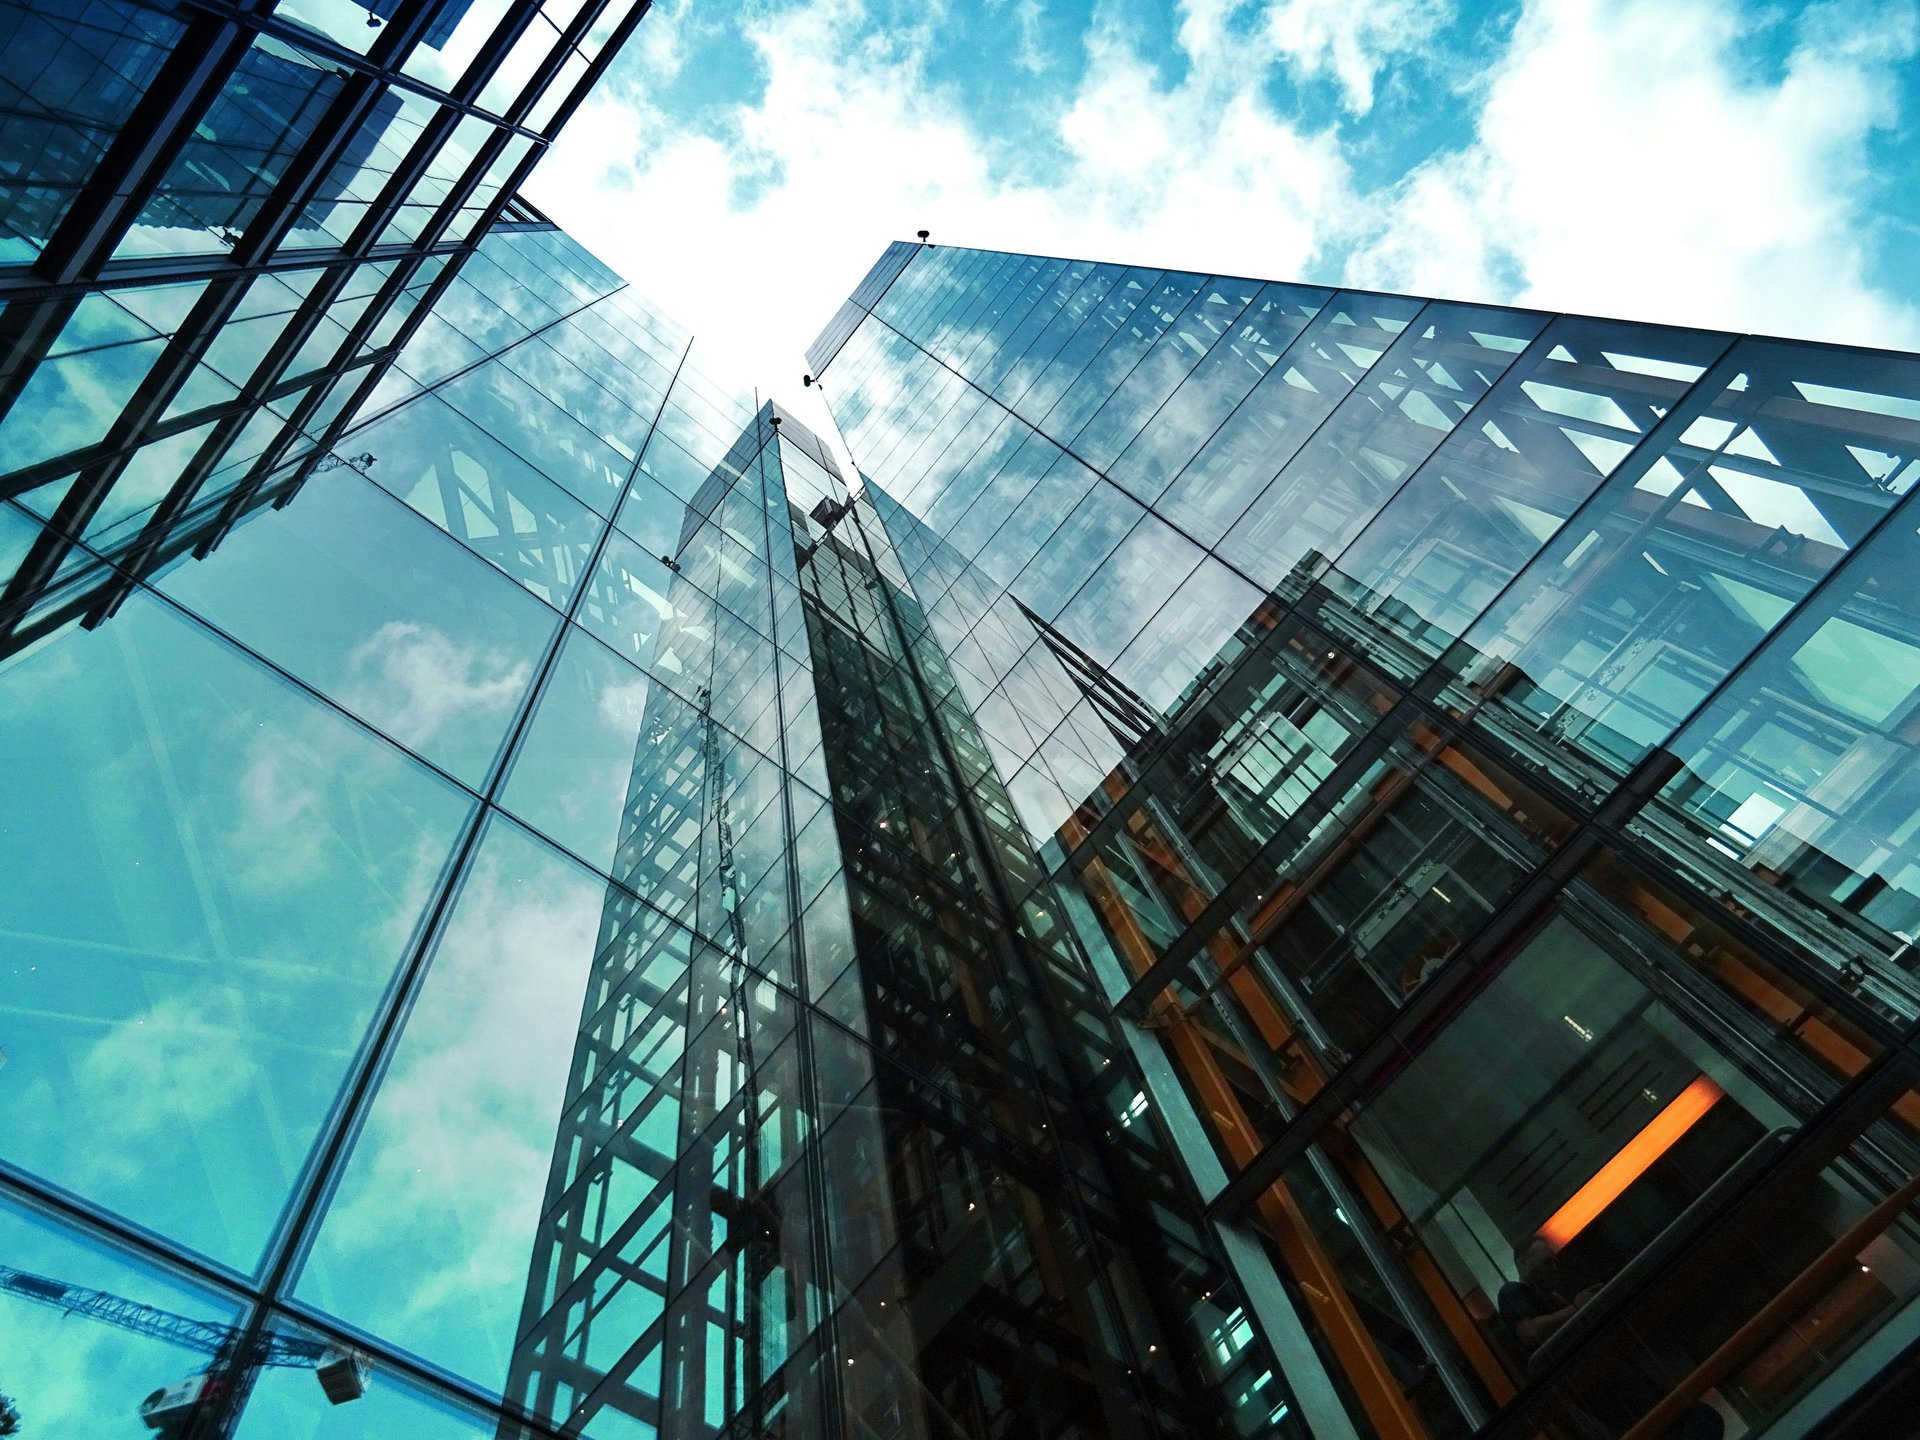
923	235
806	380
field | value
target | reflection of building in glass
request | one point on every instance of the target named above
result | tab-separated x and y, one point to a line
1274	843
1005	1121
683	1116
1472	746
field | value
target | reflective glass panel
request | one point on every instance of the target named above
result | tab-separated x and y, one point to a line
353	594
482	494
71	72
455	1182
70	1370
215	876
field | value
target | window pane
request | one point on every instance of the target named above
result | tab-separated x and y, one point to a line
73	399
470	1165
380	612
237	153
1433	375
71	72
601	729
1294	394
1691	554
213	878
482	494
1799	785
69	1373
537	429
287	1402
1560	421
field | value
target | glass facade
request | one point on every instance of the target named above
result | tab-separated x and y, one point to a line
219	224
1280	862
507	928
1468	751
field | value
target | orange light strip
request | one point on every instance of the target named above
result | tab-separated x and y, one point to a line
1681	1114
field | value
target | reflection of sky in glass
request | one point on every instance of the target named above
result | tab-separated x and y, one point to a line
428	1237
1189	630
215	876
353	594
1099	523
572	772
495	503
288	1404
72	1375
572	456
1128	588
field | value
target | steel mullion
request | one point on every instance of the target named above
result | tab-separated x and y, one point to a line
442	125
189	81
27	332
596	68
349	413
548	70
306	1203
20	285
20	481
1844	1120
1487	951
350	416
310	168
372	315
469	181
180	357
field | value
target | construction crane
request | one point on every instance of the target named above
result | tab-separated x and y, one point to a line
213	1394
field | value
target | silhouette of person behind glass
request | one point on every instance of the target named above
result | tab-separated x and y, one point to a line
1534	1308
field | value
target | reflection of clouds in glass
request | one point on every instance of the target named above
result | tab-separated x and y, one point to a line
74	1378
239	869
273	839
575	767
70	401
624	705
67	1378
410	679
1131	585
151	238
1185	634
195	1039
276	834
447	1179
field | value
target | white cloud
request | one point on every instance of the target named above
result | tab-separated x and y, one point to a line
1621	157
1628	160
1032	56
755	229
1350	43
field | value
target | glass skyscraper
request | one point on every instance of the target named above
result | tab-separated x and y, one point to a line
1474	752
1278	863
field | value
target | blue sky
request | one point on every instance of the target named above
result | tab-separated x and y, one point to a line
1738	165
